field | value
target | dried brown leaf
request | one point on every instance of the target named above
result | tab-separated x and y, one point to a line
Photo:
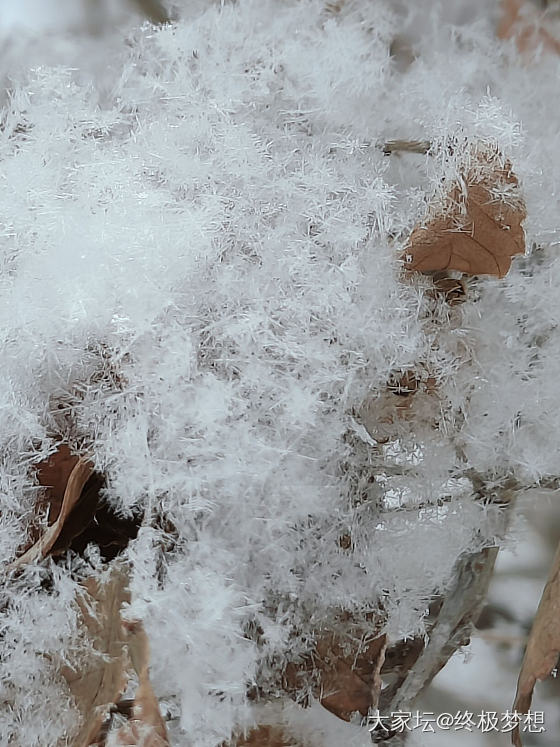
98	683
543	647
349	681
344	692
479	239
75	518
53	475
146	725
266	736
78	477
344	677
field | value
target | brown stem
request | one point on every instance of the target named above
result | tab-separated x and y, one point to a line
408	146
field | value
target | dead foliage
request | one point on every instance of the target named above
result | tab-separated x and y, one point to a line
78	475
266	736
53	475
76	515
478	229
345	678
145	724
75	512
118	649
98	682
543	646
345	674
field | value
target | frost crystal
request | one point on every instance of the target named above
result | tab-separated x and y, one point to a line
201	287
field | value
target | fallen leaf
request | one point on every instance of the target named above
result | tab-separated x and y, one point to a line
543	646
76	517
79	475
97	683
349	681
520	21
53	475
344	680
266	736
344	692
475	232
146	725
82	514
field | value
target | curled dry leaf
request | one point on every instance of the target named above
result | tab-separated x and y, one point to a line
53	475
79	475
543	647
97	683
146	725
475	231
76	511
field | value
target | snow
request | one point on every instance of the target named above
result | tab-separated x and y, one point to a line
200	237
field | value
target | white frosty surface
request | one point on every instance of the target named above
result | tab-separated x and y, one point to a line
199	237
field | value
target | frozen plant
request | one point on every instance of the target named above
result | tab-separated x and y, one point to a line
203	288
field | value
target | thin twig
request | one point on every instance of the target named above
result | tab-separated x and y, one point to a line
408	146
496	637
